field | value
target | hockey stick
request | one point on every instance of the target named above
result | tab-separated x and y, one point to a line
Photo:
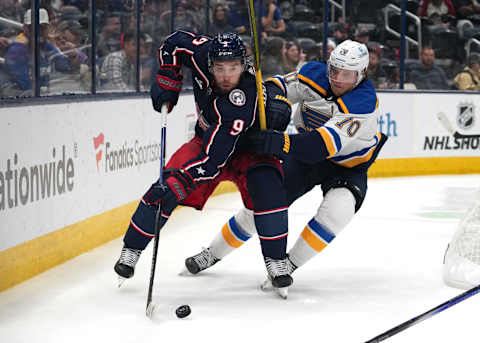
151	305
448	126
426	315
258	68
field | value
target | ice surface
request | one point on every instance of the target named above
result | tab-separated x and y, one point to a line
385	268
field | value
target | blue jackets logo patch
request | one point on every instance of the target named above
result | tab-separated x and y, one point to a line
237	97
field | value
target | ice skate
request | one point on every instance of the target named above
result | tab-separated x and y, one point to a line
278	277
201	261
125	266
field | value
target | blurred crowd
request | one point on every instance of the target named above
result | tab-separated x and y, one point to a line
447	56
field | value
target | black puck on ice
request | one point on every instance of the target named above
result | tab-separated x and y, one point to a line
183	311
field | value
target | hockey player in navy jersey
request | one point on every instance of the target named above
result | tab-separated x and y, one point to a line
337	142
226	100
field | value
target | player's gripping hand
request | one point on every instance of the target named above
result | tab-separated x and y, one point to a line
166	88
269	142
177	186
278	109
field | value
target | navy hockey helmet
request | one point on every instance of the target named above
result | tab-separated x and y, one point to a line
226	47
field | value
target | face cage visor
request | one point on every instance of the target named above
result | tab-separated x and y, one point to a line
340	75
227	69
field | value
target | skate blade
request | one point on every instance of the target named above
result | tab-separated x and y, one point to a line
267	286
282	292
150	310
185	272
121	280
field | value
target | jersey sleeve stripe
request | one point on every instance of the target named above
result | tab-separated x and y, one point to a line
358	157
312	84
210	141
189	52
329	141
342	105
336	138
279	82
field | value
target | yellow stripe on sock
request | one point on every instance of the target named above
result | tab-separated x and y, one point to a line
229	237
316	243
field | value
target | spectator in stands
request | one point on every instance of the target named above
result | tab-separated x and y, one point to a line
247	41
109	39
272	20
71	12
184	19
238	17
465	8
330	47
469	78
198	10
8	9
427	75
362	36
272	52
375	71
339	33
82	5
220	22
437	11
148	63
71	36
152	23
118	71
4	42
291	56
19	56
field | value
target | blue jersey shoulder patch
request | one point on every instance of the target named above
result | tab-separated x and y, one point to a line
361	100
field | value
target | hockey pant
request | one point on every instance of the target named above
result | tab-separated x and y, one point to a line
259	180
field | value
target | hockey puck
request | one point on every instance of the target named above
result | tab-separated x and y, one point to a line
183	311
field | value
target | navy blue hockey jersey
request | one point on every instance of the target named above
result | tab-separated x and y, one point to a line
222	118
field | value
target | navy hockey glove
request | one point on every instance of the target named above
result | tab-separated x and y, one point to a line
279	108
269	142
166	89
177	186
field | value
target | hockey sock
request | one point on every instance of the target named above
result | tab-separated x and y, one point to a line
142	226
314	238
231	237
270	210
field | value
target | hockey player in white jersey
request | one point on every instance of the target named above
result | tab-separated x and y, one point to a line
337	142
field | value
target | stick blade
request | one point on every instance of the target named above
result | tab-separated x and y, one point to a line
150	310
445	122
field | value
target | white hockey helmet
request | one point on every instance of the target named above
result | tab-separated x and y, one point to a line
349	55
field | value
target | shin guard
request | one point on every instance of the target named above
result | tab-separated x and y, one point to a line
270	210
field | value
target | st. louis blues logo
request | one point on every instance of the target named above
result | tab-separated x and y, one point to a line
237	97
465	115
343	51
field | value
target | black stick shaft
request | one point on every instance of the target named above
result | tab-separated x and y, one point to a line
426	315
163	143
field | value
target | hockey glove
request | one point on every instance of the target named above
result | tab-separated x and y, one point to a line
177	186
279	108
269	142
166	89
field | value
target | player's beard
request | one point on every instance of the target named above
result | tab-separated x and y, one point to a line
225	89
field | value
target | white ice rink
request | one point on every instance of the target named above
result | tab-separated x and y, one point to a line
385	268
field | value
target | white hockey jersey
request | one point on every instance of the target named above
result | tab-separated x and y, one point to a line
347	124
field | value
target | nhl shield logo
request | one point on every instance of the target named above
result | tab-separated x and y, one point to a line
237	97
465	115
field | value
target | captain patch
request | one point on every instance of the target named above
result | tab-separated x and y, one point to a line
237	97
